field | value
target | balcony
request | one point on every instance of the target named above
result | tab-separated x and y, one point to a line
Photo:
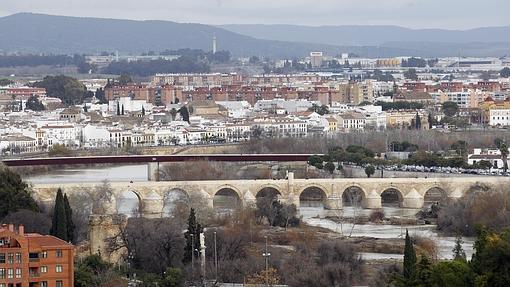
33	257
34	274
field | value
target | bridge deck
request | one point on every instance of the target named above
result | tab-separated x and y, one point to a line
125	159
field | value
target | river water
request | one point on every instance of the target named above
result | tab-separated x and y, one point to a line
445	245
126	173
311	215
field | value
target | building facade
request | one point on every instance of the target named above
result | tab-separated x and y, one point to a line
35	260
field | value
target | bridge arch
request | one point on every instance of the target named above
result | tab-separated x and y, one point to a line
173	198
313	195
129	202
353	196
227	197
434	194
270	190
392	197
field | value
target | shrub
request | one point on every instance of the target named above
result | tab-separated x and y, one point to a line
376	215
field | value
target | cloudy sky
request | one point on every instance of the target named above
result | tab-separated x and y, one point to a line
452	14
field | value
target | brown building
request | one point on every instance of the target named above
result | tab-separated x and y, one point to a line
34	260
137	92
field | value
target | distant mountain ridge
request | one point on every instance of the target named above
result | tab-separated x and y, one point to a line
485	41
369	35
40	33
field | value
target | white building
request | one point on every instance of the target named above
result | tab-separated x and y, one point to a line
491	155
67	135
499	117
236	109
351	122
375	117
129	105
95	136
281	127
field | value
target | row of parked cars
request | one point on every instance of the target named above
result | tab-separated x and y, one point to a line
440	169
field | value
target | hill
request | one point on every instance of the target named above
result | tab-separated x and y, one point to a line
487	41
39	33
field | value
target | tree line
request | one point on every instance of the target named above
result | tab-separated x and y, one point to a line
488	266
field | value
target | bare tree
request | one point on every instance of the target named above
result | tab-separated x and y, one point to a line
81	204
102	196
152	245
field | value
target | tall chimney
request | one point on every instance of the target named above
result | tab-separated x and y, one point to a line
21	230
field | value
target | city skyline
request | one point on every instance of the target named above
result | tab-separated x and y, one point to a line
415	14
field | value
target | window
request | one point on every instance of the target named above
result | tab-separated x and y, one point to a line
58	268
18	257
59	283
2	257
59	253
44	254
2	273
43	269
18	272
44	284
10	258
10	273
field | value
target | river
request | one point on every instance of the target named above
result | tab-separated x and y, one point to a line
126	173
444	244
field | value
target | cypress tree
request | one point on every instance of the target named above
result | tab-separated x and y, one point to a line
418	121
143	111
184	113
69	219
118	109
409	259
192	236
122	109
458	251
59	222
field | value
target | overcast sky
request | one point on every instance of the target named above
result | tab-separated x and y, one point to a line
451	14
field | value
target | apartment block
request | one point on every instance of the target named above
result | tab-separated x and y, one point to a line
34	260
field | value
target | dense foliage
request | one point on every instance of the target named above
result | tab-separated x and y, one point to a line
68	89
5	82
414	62
505	72
34	104
148	68
38	60
14	193
400	105
489	266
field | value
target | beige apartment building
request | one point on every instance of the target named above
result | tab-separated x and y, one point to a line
399	119
355	93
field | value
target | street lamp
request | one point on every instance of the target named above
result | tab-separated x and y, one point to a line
131	256
266	254
215	258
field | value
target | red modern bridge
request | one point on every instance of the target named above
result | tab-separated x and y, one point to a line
131	159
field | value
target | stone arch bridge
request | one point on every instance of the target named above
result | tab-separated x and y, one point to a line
371	193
